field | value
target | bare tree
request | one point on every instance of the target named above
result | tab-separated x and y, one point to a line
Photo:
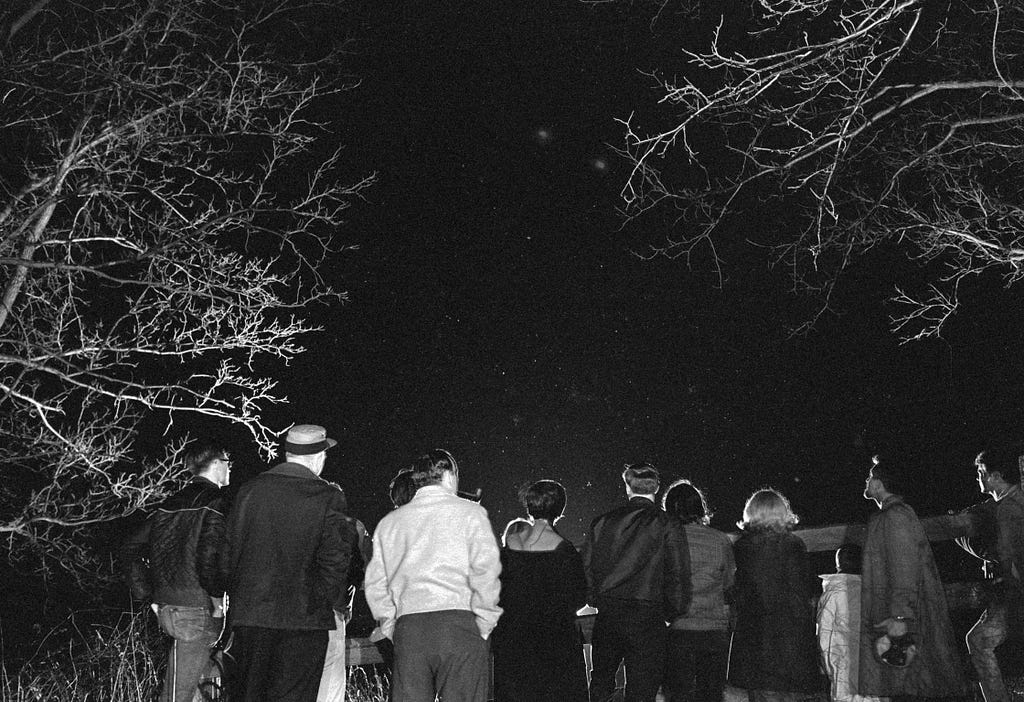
895	125
169	198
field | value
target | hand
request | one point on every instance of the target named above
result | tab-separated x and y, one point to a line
156	608
894	627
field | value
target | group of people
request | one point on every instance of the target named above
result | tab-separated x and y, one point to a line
682	607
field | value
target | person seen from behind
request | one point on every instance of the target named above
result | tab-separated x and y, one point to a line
698	641
774	655
181	542
538	654
638	576
433	586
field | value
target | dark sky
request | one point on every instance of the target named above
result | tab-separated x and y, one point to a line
496	308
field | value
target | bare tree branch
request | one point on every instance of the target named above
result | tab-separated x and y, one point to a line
897	122
168	201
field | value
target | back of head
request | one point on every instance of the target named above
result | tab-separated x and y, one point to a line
401	490
891	475
430	468
684	500
848	559
1002	459
768	510
642	478
201	454
544	499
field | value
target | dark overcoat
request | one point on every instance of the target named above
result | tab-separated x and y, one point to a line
900	579
774	646
287	550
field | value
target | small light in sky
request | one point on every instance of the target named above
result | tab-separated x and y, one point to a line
599	164
543	136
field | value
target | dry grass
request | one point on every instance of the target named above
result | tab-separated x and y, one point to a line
118	662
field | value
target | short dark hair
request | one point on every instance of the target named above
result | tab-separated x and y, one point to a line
201	454
1004	460
544	499
401	489
642	478
685	500
848	557
892	476
429	468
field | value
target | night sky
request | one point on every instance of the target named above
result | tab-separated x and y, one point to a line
497	309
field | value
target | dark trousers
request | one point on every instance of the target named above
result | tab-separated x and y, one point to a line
439	653
695	665
635	635
277	665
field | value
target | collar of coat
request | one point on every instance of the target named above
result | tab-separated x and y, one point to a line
891	500
293	470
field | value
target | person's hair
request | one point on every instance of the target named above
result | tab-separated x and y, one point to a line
886	470
1004	460
544	499
401	489
848	557
768	510
642	478
429	468
685	500
200	455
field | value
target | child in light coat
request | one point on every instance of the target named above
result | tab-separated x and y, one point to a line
839	626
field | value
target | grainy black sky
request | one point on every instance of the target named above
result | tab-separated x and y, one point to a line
496	309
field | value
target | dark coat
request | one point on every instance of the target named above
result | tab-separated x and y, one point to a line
774	645
900	579
173	558
639	554
287	550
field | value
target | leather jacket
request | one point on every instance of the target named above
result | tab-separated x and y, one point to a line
174	557
637	554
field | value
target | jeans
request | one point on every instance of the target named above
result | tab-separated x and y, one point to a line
194	631
982	641
332	681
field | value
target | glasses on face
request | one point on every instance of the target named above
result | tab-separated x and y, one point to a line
225	459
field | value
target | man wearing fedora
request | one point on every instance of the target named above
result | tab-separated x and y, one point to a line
286	561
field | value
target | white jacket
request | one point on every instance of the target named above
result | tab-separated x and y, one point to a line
436	553
839	635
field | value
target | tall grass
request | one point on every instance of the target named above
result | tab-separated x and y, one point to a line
120	661
112	662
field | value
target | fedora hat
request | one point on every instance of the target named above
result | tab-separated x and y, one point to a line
306	439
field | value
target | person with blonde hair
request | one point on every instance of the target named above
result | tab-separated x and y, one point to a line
774	653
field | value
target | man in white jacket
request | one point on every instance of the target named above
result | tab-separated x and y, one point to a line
432	584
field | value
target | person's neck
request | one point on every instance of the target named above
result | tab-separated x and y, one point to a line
630	495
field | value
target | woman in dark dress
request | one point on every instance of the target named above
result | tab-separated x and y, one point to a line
538	654
774	649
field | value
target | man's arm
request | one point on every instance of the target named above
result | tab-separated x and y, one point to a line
484	569
1010	529
901	534
375	588
333	553
208	551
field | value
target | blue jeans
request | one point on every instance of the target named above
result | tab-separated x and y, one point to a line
194	631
